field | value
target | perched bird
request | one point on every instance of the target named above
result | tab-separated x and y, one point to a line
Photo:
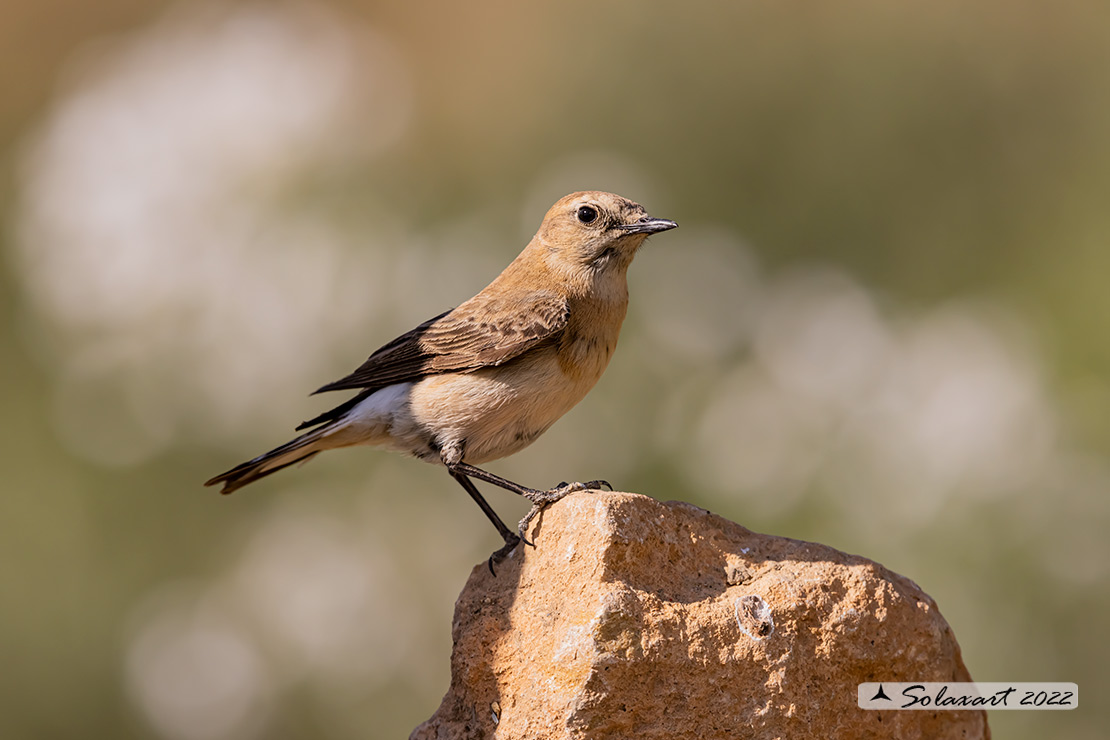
484	380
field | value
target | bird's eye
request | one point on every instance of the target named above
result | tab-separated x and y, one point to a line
587	214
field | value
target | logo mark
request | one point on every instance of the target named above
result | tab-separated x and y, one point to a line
880	694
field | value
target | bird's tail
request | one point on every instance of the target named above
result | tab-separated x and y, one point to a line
301	449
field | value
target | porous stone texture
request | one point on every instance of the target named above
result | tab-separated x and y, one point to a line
633	618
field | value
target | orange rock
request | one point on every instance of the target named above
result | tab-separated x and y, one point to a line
638	619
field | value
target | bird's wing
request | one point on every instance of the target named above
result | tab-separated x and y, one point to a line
485	331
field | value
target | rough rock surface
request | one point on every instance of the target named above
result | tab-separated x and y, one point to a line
633	618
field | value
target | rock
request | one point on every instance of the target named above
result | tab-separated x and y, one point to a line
638	619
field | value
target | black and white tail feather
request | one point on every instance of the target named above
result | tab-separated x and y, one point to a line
298	450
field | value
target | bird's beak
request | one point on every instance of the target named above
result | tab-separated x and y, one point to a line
648	225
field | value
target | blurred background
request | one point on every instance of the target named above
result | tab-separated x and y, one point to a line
882	326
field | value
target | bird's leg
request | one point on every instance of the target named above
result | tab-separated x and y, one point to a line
467	469
540	499
511	540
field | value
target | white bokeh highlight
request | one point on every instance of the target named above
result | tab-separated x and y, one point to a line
195	671
160	230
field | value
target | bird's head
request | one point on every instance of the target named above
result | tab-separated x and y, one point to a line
597	231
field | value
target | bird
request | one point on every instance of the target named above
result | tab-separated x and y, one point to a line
482	381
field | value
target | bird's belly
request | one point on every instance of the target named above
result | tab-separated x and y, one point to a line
496	411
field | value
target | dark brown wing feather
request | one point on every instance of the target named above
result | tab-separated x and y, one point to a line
482	332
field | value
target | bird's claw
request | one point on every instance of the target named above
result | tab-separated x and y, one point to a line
590	485
511	541
542	499
522	528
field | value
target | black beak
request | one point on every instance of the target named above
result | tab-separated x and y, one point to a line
648	225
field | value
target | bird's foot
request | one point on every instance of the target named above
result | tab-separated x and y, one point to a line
511	541
542	499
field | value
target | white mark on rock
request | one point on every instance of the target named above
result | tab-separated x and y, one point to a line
753	616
